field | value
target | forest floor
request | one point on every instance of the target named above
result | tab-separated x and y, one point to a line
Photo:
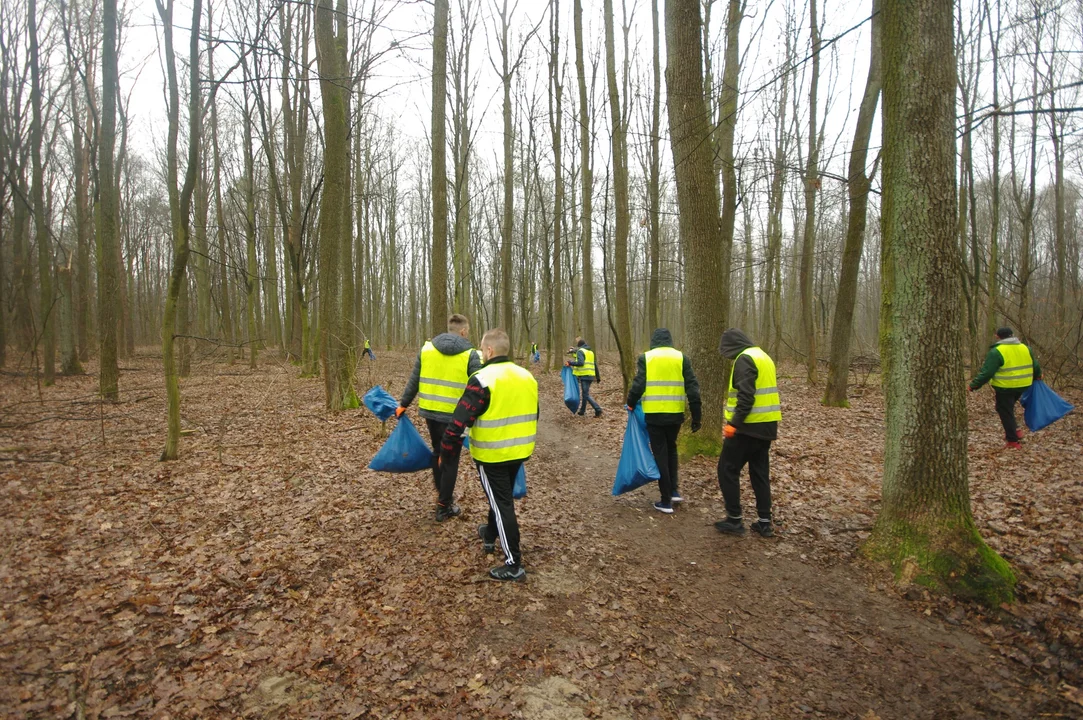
268	573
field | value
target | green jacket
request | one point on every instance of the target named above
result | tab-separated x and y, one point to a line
993	361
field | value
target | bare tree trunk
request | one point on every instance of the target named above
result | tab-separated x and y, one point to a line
108	230
251	276
698	205
331	60
180	204
654	196
623	329
225	302
37	196
925	520
69	355
586	178
812	186
731	75
509	171
858	185
556	116
993	283
438	268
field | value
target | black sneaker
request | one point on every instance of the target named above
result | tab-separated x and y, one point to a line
730	526
664	507
508	573
446	513
488	547
598	413
763	529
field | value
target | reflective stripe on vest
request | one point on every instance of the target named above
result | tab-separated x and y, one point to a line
507	429
665	381
587	369
1018	368
766	406
443	379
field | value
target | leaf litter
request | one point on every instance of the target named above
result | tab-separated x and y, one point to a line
268	573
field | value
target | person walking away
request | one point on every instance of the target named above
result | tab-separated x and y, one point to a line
1010	367
753	411
500	404
438	380
663	380
368	350
585	370
535	356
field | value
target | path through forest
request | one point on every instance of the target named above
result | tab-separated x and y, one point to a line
268	574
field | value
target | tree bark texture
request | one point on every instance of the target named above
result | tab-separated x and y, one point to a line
586	177
619	145
438	268
331	62
180	205
698	207
812	187
108	225
46	309
858	185
925	527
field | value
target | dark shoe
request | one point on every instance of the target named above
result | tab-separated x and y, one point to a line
508	573
488	547
580	414
662	507
598	413
730	527
1013	446
763	529
446	513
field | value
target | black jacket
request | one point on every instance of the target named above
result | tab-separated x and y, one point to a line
732	344
662	338
448	344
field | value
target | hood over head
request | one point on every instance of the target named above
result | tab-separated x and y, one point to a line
661	337
451	343
733	343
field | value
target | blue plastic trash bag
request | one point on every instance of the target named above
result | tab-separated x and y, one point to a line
1042	406
518	491
636	467
571	388
403	452
380	402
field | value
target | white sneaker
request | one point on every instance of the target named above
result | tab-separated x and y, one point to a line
676	498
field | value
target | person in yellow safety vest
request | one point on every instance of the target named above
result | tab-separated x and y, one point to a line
663	380
585	370
368	350
753	411
500	404
534	355
439	378
1010	367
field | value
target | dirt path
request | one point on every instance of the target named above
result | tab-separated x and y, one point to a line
749	623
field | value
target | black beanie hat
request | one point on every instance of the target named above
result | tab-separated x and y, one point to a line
1004	332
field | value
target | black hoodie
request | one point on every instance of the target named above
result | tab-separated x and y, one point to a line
662	338
732	344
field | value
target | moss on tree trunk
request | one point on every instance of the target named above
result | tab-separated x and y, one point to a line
925	529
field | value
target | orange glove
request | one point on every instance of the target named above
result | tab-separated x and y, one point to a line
399	411
729	431
567	363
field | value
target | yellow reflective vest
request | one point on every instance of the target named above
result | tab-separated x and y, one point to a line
766	407
1018	368
587	368
507	429
664	391
442	380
